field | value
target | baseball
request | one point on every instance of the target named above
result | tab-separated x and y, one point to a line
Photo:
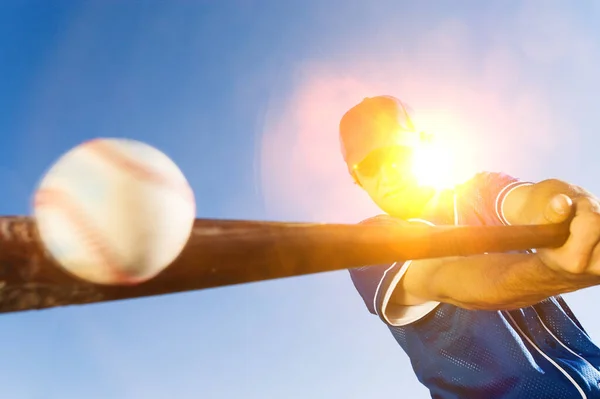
114	211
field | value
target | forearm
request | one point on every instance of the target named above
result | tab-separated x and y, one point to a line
490	282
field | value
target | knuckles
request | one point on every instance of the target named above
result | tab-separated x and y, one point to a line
578	265
585	229
587	223
587	204
576	256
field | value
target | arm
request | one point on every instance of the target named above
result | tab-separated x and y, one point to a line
404	292
501	281
489	282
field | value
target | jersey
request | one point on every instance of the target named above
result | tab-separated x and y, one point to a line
540	351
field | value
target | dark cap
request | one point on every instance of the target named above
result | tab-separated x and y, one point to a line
374	123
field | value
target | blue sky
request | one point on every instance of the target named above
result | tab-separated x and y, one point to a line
245	96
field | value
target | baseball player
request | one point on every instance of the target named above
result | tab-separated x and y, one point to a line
485	326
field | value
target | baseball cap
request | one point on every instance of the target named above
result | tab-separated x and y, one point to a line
375	122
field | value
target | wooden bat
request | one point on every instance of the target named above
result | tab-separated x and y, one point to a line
226	252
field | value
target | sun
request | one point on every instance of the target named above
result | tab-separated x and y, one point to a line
444	159
437	164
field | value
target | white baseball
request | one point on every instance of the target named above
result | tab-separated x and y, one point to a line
114	211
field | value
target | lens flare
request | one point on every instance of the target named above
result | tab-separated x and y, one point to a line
434	166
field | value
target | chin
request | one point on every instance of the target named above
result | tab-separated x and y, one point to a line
401	208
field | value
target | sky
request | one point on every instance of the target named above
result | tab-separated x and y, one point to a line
245	96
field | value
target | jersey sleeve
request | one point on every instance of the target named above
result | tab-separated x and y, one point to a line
493	188
377	283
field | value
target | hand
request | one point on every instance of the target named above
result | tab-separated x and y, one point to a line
580	255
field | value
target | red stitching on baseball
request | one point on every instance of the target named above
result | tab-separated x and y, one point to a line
107	151
91	236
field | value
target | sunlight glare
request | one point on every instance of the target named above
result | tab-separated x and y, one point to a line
433	166
442	162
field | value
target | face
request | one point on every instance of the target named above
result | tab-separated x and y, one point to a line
386	175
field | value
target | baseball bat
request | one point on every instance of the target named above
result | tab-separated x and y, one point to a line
227	252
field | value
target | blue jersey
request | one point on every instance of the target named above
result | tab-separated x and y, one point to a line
540	351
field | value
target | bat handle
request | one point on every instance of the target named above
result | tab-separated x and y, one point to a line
554	235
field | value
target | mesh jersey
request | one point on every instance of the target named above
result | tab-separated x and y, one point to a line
541	351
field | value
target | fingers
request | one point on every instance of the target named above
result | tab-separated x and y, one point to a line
581	252
585	236
558	209
581	244
587	205
561	206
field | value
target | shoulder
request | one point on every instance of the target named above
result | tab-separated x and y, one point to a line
488	192
492	185
486	179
